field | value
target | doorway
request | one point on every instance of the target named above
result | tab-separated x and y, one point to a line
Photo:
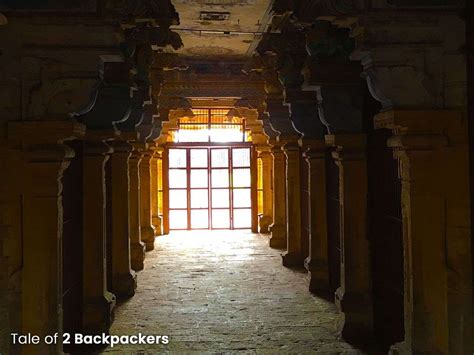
210	187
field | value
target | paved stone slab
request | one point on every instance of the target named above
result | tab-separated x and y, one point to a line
225	293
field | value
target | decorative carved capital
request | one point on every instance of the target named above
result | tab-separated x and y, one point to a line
111	102
304	114
280	122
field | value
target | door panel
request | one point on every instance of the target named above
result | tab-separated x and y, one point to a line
177	178
200	219
199	178
200	198
178	219
221	219
199	158
219	158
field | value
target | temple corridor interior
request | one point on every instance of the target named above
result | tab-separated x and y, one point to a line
275	176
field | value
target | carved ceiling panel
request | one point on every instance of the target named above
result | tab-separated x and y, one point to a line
221	28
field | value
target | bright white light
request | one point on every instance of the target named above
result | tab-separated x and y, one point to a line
220	135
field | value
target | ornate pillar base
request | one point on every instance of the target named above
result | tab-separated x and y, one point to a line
124	285
293	259
157	222
264	223
277	236
317	277
353	322
148	236
98	314
137	256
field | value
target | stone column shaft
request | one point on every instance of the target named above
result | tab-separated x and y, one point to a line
98	302
136	245
155	217
266	219
123	278
354	296
432	150
278	228
146	227
42	253
317	262
294	255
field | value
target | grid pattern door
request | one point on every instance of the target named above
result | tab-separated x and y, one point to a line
210	188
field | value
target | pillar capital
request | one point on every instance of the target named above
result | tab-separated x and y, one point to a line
263	150
96	148
140	147
315	149
290	145
348	146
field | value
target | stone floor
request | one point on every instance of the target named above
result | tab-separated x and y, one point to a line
225	292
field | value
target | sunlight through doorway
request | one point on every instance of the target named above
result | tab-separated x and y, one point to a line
211	167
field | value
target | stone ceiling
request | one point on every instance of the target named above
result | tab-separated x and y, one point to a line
221	28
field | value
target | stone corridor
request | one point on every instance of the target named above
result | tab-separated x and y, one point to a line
225	292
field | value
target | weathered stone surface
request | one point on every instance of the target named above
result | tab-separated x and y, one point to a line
225	292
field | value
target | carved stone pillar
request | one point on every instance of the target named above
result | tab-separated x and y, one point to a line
124	280
294	255
432	150
42	288
98	302
146	227
46	158
155	217
42	280
317	262
136	244
278	228
354	296
267	165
